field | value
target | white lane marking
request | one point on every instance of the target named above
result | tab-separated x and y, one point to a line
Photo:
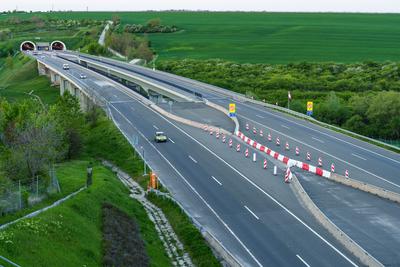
261	117
171	140
155	127
186	181
252	213
323	152
357	156
215	179
303	261
115	95
316	139
264	192
284	126
320	132
190	157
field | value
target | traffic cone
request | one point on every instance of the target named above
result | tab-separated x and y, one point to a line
288	175
287	146
278	142
223	139
265	164
261	133
246	153
205	128
269	137
217	135
346	174
297	151
332	167
247	126
308	156
254	130
211	131
230	142
238	147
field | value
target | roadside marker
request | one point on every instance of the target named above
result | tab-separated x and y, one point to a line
297	151
254	130
230	142
319	161
246	153
278	142
269	137
247	126
287	145
332	167
238	147
308	156
254	157
211	131
223	138
346	174
217	135
205	128
265	164
261	133
275	170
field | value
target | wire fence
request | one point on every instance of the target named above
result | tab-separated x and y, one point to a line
391	142
19	195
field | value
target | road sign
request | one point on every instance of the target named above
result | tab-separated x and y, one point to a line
232	109
309	108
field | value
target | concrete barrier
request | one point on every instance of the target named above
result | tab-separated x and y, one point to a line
372	189
342	237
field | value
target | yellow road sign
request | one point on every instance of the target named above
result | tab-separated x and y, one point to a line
232	108
309	106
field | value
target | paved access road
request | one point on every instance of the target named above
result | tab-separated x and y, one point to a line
364	161
254	214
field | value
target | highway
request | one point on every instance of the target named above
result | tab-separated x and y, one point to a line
365	162
252	213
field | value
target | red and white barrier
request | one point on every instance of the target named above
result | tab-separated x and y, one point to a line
287	146
288	175
332	167
265	164
278	142
308	156
238	147
346	174
297	151
269	137
247	127
230	142
289	162
246	153
261	133
319	161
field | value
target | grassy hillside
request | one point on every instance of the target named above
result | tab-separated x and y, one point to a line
71	234
22	78
268	37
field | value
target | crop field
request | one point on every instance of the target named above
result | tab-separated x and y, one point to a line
267	37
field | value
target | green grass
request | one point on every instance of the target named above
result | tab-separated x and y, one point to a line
267	37
15	83
191	238
70	234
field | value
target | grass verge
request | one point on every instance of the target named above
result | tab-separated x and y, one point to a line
71	234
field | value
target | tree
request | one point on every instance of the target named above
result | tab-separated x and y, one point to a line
154	22
9	62
116	19
144	52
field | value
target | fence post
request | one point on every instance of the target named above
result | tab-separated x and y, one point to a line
20	194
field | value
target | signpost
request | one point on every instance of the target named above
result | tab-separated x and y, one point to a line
309	108
232	110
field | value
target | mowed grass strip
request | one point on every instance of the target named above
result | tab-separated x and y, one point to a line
261	37
71	234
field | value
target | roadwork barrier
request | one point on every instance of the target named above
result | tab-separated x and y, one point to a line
342	237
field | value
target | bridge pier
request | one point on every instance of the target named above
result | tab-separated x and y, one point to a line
84	101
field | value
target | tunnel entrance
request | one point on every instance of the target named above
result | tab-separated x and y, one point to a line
27	46
58	45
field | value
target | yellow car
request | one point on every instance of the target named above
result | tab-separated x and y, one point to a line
160	137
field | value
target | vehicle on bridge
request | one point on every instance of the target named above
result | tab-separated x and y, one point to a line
82	76
65	67
160	137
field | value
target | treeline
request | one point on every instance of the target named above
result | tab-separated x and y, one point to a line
33	137
132	46
152	26
362	97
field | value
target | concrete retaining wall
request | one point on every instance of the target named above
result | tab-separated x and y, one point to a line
378	191
342	237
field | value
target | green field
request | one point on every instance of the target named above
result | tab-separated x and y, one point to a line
268	37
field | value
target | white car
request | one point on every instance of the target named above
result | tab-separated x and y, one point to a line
82	76
65	67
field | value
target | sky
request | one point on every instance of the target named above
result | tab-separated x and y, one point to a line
374	6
